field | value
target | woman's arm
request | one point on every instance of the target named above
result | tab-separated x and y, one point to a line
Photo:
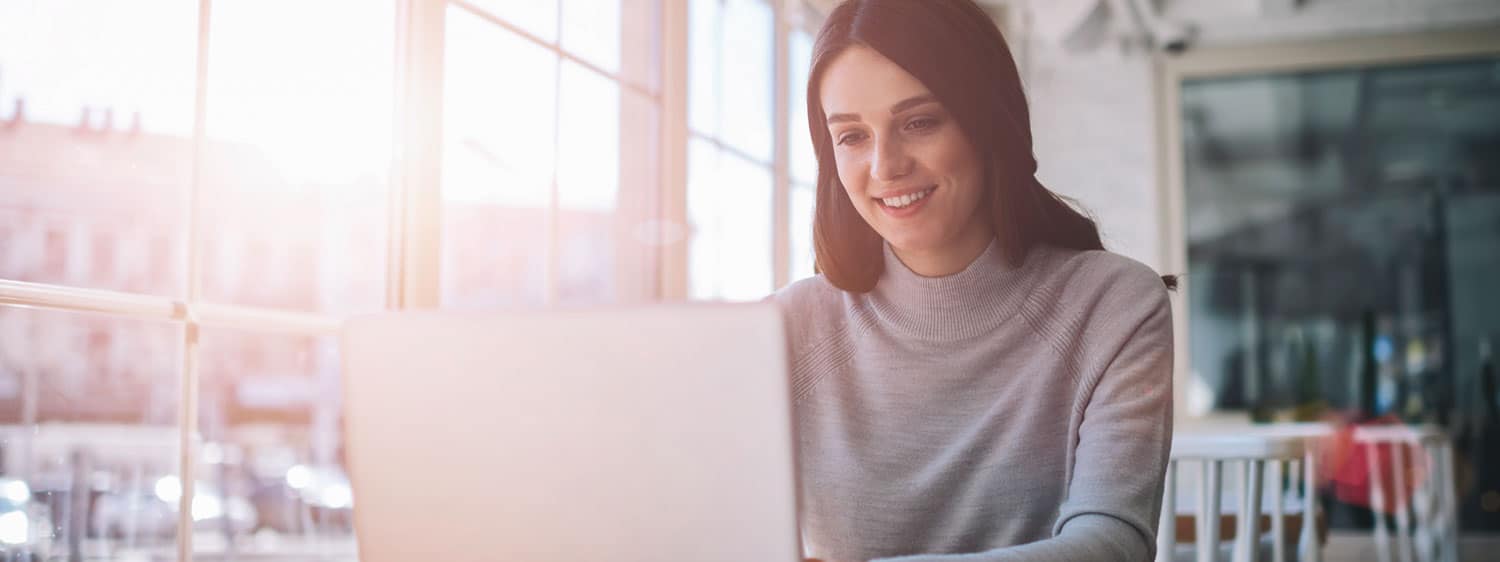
1084	538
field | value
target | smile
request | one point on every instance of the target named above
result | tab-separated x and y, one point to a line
902	201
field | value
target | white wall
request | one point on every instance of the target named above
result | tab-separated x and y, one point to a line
1093	123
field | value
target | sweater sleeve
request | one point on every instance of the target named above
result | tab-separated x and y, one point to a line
1124	441
1086	537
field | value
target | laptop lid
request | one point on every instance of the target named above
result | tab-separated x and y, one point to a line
637	434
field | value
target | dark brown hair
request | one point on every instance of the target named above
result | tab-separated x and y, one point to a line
955	50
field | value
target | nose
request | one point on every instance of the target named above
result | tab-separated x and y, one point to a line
890	161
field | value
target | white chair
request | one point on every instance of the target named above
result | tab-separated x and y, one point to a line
1426	520
1260	454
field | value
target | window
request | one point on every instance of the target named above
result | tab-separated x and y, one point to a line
55	256
803	160
299	129
550	126
7	240
70	405
1338	214
287	199
276	216
1336	210
747	176
95	129
103	253
730	170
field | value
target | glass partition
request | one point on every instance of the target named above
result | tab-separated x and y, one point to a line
1343	237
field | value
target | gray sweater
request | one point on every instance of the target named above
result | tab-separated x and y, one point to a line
1000	413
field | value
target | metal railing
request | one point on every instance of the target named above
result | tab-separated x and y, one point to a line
99	301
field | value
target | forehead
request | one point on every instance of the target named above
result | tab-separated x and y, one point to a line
861	80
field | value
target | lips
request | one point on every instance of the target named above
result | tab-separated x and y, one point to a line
905	198
905	205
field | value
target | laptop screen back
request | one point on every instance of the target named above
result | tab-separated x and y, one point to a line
649	434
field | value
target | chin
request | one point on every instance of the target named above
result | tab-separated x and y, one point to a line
912	241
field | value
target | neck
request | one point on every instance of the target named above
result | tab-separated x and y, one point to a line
950	259
964	304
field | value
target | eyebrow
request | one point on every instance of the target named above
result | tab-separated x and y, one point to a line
900	106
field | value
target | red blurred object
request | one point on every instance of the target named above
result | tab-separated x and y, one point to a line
1348	467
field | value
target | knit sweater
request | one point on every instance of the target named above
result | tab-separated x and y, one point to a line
1000	413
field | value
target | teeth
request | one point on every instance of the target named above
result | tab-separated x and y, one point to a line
904	200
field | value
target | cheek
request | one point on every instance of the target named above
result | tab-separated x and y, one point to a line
850	175
957	160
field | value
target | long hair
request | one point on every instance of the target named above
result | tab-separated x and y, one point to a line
954	49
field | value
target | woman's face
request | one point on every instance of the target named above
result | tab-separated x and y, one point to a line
906	165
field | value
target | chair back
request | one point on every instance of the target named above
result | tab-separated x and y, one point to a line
1411	479
1256	456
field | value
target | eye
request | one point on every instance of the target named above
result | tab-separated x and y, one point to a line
850	138
921	124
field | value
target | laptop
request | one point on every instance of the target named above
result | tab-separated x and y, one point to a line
657	433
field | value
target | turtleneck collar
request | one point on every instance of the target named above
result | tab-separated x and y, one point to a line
962	305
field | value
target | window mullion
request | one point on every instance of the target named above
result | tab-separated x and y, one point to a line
781	192
187	406
416	193
675	235
554	208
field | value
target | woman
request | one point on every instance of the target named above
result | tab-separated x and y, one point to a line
975	378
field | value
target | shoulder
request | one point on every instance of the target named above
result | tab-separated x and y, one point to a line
817	322
812	307
811	292
1096	299
1099	278
1091	304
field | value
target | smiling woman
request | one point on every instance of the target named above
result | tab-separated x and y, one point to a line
909	170
972	372
987	108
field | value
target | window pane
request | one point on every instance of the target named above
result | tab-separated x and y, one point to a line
637	223
746	69
729	210
299	130
621	37
704	35
588	173
804	162
498	155
1330	216
1342	228
730	76
95	143
537	17
88	412
588	179
269	414
591	30
803	197
605	200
